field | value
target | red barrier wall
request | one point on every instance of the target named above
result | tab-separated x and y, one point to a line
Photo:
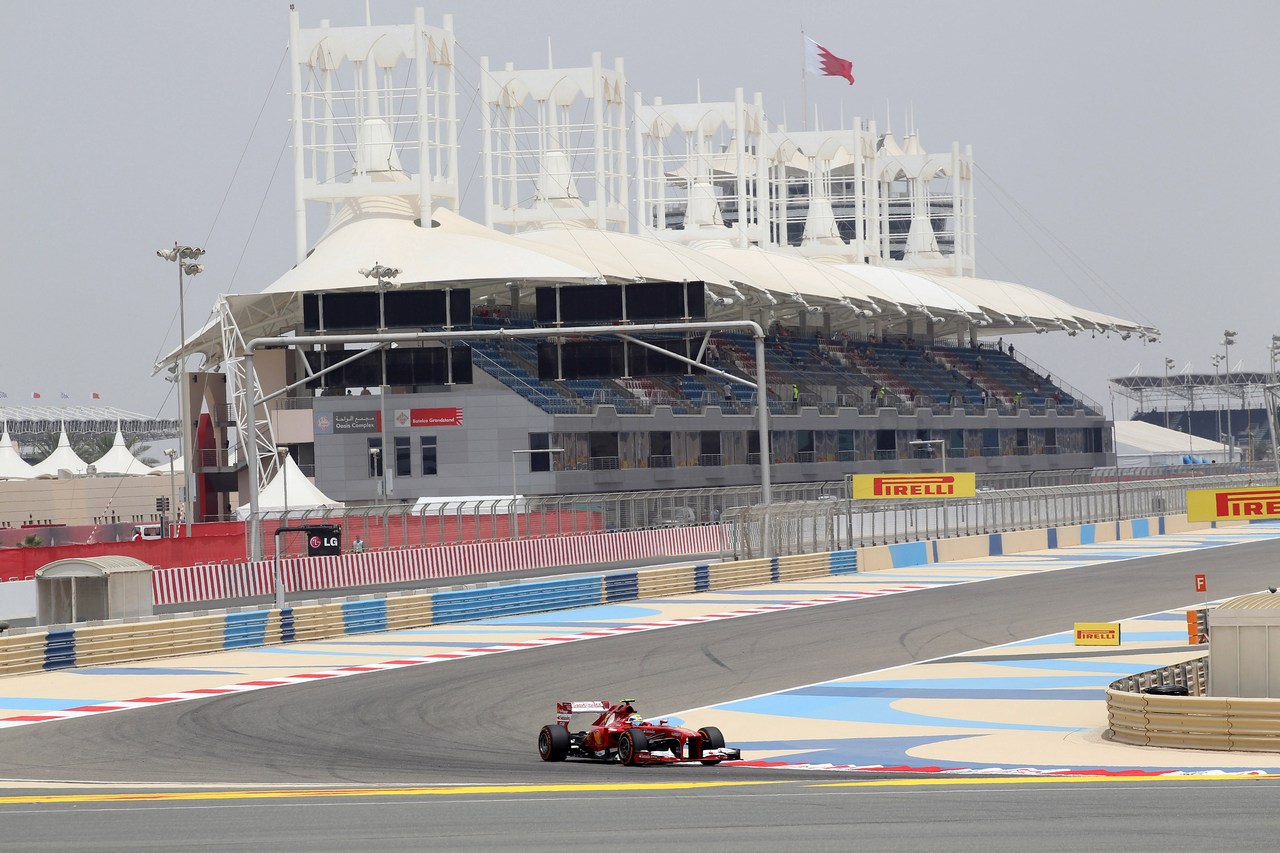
223	541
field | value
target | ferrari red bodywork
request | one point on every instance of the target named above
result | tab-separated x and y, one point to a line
615	737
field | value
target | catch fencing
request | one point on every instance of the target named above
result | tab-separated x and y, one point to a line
460	521
841	524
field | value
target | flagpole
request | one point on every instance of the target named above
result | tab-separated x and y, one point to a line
804	79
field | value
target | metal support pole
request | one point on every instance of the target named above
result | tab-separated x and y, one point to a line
277	576
255	523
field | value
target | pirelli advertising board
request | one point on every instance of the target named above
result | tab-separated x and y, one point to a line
1097	633
896	487
1233	504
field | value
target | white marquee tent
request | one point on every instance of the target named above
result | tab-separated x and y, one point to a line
62	457
290	490
12	465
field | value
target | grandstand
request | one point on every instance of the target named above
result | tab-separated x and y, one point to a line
851	250
27	423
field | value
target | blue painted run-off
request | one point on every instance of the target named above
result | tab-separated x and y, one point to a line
363	617
623	587
906	554
245	630
60	649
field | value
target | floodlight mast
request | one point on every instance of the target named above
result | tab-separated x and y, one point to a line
185	257
625	332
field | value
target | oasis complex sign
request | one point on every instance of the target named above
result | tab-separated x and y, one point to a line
961	484
1233	504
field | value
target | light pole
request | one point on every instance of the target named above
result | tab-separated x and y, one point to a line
1168	363
282	453
1217	376
1228	338
383	278
515	531
170	452
185	257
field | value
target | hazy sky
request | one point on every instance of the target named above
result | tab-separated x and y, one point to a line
1111	140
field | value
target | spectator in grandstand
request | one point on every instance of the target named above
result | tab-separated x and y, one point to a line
1000	344
728	392
795	393
881	393
1017	399
357	545
977	362
1010	347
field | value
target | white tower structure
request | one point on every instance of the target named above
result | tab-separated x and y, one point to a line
849	194
374	114
554	146
701	160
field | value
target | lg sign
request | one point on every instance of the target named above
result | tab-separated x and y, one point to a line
324	540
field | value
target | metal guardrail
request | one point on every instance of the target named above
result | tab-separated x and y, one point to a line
1194	721
1026	504
58	647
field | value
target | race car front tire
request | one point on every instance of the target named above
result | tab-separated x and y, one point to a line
631	743
553	743
711	739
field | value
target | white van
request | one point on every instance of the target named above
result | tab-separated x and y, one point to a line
147	531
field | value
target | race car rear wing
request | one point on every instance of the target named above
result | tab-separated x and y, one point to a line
564	710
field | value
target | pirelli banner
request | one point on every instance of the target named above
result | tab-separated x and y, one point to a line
1097	633
896	487
1233	504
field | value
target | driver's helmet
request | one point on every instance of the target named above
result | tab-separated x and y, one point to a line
635	720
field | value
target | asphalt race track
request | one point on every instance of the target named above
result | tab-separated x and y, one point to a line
473	723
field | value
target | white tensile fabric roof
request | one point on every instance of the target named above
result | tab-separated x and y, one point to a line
458	251
1143	437
795	278
12	465
911	290
628	257
61	457
450	251
119	460
302	493
179	466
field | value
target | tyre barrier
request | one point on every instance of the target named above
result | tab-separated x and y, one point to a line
1146	710
93	644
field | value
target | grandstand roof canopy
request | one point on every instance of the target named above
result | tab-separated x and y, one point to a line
26	422
456	251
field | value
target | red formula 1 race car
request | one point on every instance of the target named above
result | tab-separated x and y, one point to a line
620	734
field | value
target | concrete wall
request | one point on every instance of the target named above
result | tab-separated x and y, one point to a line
906	554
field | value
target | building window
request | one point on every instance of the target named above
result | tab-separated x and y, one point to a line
539	461
375	457
404	466
428	447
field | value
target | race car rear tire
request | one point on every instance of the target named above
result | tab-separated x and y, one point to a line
553	743
631	743
711	739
